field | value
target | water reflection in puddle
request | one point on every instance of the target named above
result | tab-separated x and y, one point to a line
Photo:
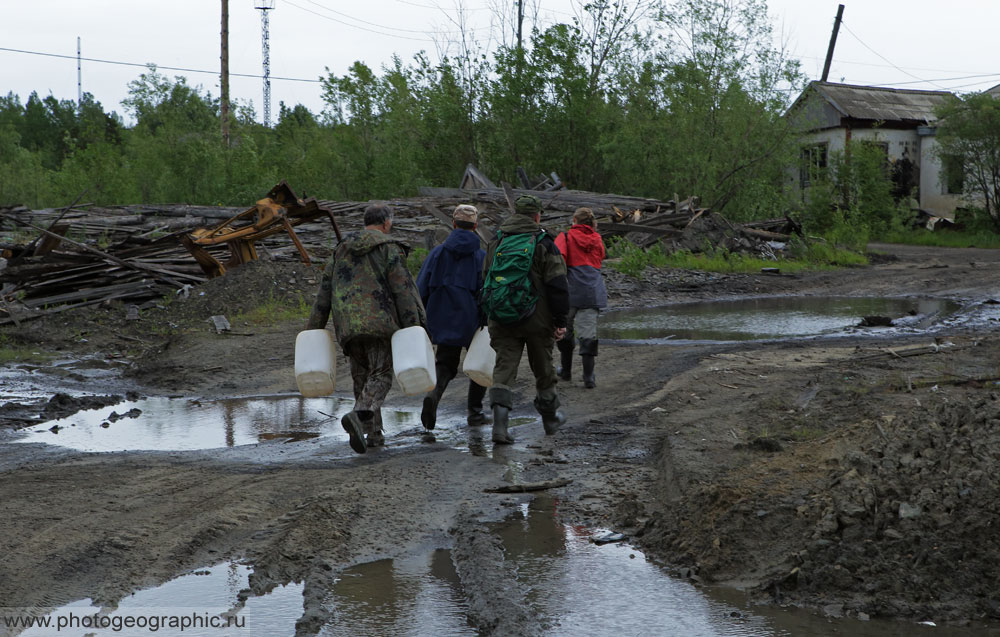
178	424
766	318
579	588
194	604
34	382
419	595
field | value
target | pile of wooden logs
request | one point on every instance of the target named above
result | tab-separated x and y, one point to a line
85	254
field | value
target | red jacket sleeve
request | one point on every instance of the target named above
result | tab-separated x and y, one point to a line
561	243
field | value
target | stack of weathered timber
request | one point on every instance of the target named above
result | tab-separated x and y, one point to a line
677	224
85	254
55	273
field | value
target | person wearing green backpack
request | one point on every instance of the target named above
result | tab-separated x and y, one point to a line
526	300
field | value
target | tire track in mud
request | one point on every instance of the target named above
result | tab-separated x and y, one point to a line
497	604
102	527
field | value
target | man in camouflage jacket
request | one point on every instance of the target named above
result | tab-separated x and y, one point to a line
370	294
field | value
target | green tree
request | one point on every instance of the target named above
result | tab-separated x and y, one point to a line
857	195
175	147
703	115
23	177
448	126
353	104
969	133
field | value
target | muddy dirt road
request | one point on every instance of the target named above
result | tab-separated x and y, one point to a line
854	475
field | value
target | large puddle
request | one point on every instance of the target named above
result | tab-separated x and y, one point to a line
575	586
184	424
581	588
770	318
200	603
180	424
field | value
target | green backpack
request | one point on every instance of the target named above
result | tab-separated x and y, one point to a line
508	296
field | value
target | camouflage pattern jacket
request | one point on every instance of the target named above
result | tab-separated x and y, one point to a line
367	289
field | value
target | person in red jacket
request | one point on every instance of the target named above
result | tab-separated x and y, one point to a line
583	249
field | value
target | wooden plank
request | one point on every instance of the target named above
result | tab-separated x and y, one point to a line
4	291
508	193
475	179
103	255
88	293
526	487
523	176
623	228
50	242
438	214
63	308
764	234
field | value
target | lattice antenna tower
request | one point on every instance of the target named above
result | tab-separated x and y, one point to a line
264	6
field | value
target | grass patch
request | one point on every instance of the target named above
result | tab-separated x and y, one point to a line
416	259
729	262
821	254
14	353
630	259
945	238
805	433
275	311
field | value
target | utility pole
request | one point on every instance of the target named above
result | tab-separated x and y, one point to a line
520	20
833	43
264	6
79	77
225	72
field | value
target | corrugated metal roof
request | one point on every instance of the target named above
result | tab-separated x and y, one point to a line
876	103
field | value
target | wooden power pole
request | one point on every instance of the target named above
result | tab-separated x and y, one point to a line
225	72
520	21
833	43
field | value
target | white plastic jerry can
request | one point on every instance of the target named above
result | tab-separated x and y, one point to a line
480	359
315	363
413	360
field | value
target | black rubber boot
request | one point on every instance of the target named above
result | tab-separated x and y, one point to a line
428	414
565	346
547	405
352	425
500	434
375	439
588	352
501	400
588	371
476	416
551	422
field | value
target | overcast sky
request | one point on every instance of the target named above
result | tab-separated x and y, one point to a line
925	44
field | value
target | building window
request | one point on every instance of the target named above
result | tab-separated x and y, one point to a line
877	150
952	175
812	164
881	146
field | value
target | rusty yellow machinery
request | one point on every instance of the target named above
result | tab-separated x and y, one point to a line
279	211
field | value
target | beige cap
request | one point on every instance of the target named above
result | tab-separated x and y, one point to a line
465	212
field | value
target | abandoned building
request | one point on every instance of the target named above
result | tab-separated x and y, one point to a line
899	121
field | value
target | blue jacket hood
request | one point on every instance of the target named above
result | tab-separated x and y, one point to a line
461	241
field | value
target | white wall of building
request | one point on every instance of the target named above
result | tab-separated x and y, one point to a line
901	143
934	197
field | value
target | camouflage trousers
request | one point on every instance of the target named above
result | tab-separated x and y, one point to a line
371	370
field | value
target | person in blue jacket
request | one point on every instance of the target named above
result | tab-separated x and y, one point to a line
449	282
